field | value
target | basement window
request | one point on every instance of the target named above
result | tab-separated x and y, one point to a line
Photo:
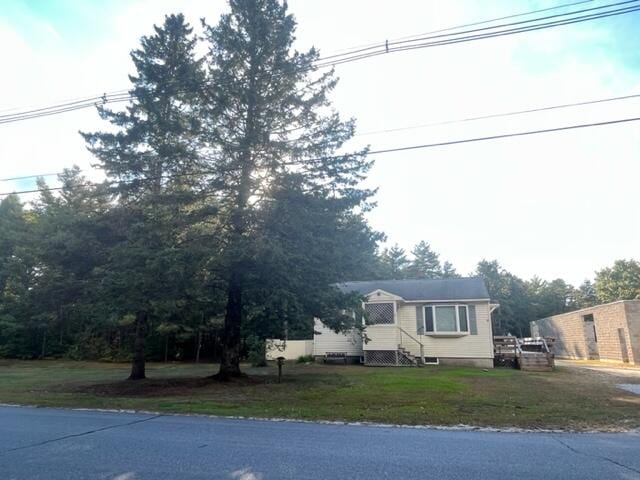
380	313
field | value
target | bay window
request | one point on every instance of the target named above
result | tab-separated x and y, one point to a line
446	319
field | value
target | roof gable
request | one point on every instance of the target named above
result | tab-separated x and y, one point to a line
446	289
381	295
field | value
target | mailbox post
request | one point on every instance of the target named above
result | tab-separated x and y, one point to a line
280	361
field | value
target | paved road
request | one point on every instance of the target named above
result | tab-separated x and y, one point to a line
63	444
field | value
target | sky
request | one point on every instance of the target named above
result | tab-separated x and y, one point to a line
559	205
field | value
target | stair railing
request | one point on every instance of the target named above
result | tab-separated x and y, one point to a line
402	330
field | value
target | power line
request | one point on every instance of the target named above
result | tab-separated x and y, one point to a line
498	115
482	22
433	124
377	152
360	54
386	49
389	43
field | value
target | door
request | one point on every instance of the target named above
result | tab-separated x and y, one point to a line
624	351
590	337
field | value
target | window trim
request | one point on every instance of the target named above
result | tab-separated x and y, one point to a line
395	314
435	331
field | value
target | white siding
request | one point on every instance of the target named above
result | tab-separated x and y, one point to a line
467	346
382	337
326	340
290	350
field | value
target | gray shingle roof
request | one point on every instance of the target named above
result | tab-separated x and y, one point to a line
429	290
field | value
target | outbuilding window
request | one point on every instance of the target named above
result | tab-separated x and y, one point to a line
446	318
380	313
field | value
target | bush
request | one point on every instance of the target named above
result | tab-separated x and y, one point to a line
257	355
305	359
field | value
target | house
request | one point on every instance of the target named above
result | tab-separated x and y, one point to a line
287	349
609	332
443	321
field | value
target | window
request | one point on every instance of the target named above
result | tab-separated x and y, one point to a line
379	313
446	319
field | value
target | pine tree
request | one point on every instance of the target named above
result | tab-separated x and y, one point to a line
585	295
154	155
18	271
268	121
425	262
394	262
72	244
449	271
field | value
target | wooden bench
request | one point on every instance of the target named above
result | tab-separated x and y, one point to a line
335	357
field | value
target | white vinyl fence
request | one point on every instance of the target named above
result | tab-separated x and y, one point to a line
290	350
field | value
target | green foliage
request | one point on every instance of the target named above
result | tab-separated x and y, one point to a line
585	295
305	359
425	262
288	227
394	263
619	282
257	355
514	296
232	209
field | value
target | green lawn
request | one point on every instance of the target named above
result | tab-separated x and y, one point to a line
565	398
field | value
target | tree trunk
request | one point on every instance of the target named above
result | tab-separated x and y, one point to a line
199	346
166	349
44	345
138	363
230	357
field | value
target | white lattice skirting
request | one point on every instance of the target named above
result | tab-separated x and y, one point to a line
386	358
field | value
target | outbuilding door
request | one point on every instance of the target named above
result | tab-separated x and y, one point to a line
590	337
624	351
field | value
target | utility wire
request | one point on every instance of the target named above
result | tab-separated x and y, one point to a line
359	54
433	124
496	115
387	43
481	36
482	22
374	152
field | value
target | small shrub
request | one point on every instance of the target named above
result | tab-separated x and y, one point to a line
305	359
257	355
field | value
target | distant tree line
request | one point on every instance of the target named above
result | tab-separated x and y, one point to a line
229	212
520	300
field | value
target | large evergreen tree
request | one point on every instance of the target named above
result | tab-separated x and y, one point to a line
154	158
268	122
17	274
72	245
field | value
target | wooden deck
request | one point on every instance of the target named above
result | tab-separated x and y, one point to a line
532	354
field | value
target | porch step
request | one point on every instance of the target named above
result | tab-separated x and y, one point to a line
535	361
407	356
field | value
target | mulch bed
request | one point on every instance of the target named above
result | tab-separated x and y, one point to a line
158	387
